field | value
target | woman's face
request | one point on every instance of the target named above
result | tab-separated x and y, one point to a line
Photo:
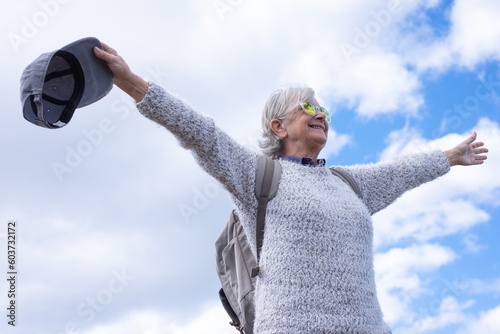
305	129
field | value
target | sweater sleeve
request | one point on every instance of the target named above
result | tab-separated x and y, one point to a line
382	183
218	154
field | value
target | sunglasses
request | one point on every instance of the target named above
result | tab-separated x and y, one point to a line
312	110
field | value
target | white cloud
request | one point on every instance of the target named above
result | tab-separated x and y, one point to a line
375	82
432	217
378	83
445	206
452	312
472	245
480	287
448	312
213	320
473	38
406	140
475	31
336	142
399	276
487	322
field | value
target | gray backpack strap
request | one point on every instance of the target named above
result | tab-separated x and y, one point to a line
347	178
266	185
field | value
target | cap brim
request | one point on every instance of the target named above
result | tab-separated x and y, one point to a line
98	76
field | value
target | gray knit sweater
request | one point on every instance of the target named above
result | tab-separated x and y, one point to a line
316	263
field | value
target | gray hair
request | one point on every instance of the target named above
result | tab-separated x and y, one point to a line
278	106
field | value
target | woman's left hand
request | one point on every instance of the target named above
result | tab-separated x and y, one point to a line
467	153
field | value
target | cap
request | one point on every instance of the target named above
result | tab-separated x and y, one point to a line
56	83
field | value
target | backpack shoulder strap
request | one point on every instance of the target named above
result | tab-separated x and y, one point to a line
347	178
266	185
267	178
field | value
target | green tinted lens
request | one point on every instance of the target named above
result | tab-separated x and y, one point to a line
308	108
327	114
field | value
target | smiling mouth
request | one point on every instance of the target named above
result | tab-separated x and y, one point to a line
317	127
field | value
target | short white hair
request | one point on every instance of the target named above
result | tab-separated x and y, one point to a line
278	106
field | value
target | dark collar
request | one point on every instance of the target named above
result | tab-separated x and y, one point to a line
303	160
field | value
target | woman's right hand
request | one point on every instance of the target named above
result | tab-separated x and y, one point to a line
123	77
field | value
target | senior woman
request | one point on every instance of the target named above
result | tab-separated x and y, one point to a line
316	265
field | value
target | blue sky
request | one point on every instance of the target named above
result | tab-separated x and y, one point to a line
123	242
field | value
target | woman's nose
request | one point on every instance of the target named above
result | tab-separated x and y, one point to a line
320	115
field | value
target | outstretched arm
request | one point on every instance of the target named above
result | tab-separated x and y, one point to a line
124	78
215	151
467	153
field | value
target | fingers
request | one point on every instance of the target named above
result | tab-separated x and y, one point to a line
471	139
109	49
480	159
479	153
480	150
105	54
100	53
478	144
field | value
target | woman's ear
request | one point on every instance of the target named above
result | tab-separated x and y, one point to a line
278	128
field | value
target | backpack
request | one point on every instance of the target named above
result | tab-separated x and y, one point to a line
236	266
